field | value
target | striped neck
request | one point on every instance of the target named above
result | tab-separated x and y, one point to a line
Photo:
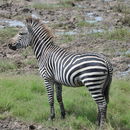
41	40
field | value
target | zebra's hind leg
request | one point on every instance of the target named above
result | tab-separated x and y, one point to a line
102	109
59	99
99	98
98	117
50	90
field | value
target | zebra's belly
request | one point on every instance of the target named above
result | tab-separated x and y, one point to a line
71	85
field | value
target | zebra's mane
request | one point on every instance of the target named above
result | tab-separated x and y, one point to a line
35	21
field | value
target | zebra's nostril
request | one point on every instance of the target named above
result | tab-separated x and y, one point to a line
9	45
12	47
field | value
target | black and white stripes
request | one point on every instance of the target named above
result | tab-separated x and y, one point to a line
59	67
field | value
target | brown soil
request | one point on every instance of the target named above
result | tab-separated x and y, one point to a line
14	124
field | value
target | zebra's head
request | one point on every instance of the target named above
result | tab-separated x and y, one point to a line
21	40
35	29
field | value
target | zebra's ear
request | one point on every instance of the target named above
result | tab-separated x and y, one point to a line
29	20
26	20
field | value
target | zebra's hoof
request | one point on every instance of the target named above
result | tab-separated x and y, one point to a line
97	123
62	115
51	118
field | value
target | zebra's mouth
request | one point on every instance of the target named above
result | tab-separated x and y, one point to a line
12	47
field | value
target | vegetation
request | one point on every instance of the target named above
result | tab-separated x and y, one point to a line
121	34
122	8
84	24
44	6
125	9
67	38
126	20
51	6
31	61
60	4
118	34
7	33
6	65
20	94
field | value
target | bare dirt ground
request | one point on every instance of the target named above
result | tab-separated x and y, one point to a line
66	20
14	124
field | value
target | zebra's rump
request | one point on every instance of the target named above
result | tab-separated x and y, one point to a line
83	68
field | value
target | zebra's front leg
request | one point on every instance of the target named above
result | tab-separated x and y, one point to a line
50	90
59	99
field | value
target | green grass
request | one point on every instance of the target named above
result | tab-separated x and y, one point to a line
125	9
51	6
84	24
44	6
31	61
60	4
25	97
7	33
122	8
67	38
6	64
126	20
126	55
120	34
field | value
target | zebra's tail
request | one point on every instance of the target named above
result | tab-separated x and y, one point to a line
108	81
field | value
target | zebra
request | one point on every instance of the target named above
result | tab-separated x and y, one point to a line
60	67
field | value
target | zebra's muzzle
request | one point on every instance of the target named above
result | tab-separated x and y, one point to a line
12	47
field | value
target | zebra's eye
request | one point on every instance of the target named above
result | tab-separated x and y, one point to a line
22	33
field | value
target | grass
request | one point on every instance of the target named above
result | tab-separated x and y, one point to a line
60	4
51	6
31	62
126	55
84	24
124	9
44	6
126	20
121	8
7	33
6	65
66	38
25	97
120	34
